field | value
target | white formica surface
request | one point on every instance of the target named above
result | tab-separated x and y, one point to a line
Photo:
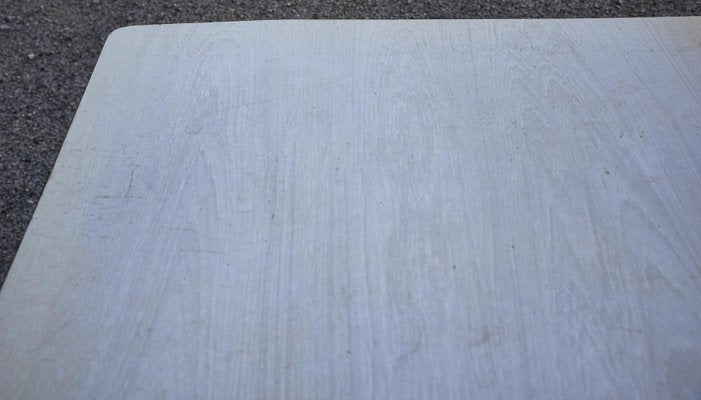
371	209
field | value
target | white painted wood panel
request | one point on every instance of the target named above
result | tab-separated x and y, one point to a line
371	209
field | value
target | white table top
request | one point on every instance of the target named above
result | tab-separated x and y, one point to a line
387	209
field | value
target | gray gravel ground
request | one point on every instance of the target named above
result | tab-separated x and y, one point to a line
48	50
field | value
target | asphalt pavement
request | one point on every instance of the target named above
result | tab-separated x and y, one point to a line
48	50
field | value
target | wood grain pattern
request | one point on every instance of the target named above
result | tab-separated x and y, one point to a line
371	209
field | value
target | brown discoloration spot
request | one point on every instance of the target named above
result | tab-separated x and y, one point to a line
484	338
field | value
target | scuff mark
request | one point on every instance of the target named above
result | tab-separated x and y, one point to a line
54	333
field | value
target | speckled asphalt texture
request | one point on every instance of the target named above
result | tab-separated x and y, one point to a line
48	50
